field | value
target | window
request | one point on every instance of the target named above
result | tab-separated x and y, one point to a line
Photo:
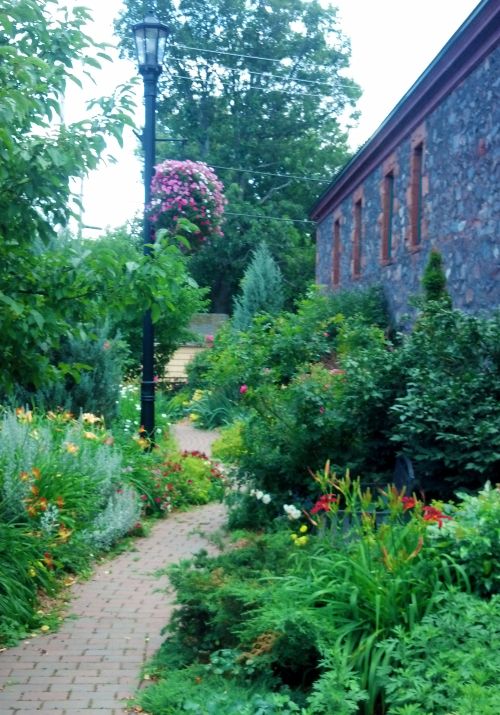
388	209
356	247
416	195
336	253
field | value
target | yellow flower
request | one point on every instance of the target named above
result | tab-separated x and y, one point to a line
301	541
45	628
303	529
90	435
32	572
64	533
90	418
193	417
71	448
294	537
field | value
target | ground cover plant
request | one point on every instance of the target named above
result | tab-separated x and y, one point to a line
70	491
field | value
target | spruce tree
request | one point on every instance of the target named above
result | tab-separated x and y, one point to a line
261	289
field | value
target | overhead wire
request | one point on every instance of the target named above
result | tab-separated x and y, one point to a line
265	89
268	218
276	76
268	173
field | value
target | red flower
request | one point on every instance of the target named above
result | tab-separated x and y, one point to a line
409	503
243	389
434	515
323	503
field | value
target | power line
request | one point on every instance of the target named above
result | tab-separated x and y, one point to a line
232	54
265	89
268	173
269	218
277	76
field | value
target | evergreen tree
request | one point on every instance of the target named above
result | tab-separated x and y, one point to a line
261	289
434	279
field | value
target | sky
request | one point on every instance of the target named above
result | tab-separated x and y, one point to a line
392	41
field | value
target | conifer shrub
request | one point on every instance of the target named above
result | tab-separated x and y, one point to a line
95	367
261	289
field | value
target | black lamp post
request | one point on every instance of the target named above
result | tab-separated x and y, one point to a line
150	39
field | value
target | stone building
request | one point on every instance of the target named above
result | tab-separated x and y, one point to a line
429	177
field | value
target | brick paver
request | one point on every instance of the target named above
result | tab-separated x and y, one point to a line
92	664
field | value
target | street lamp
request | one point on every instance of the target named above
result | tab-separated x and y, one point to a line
150	40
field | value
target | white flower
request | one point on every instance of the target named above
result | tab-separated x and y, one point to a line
292	512
252	492
266	498
259	494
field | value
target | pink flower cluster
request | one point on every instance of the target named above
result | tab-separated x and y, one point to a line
190	190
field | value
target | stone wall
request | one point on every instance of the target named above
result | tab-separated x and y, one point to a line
460	205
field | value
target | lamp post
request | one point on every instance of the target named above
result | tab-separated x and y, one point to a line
150	40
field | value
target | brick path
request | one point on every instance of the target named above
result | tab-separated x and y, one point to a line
92	664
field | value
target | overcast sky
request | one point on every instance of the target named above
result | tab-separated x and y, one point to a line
393	41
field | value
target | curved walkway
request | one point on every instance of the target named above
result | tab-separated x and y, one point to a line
92	664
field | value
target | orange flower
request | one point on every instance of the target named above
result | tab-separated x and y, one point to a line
35	490
71	447
60	502
43	503
24	476
90	435
48	560
36	472
31	510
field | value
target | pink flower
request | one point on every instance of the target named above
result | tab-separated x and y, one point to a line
243	389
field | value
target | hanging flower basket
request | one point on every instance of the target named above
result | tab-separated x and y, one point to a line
187	190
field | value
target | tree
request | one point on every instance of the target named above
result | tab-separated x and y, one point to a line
261	289
53	289
256	86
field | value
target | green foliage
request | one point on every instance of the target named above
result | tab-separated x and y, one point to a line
221	263
212	695
126	283
429	676
236	113
337	691
447	418
346	621
472	538
336	411
40	290
23	571
96	388
261	290
272	351
434	279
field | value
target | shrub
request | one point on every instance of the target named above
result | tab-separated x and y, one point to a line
447	418
472	538
121	513
337	411
261	289
96	387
